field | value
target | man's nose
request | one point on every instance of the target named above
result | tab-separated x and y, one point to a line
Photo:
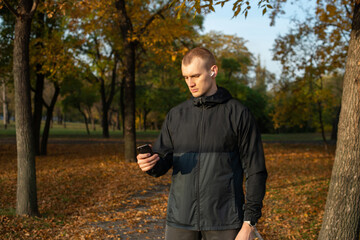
191	82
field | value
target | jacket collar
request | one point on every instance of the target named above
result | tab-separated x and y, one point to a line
222	95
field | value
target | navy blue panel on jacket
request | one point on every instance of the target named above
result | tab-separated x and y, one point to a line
211	143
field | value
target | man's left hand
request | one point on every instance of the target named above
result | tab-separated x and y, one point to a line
245	232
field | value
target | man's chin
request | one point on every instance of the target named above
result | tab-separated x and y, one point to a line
196	94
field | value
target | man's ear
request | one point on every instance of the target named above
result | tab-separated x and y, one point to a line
214	70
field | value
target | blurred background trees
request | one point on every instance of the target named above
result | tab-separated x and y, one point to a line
80	70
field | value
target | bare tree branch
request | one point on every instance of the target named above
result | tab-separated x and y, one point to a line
152	18
34	6
11	8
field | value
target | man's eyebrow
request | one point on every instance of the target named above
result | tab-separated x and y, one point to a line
192	75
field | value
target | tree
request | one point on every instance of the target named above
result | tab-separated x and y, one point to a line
79	94
263	77
231	53
26	203
130	40
51	60
7	21
342	210
142	29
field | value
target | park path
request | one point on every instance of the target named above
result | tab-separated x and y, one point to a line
149	224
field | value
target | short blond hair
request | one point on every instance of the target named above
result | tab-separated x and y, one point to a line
202	53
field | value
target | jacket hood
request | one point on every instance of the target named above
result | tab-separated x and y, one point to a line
222	95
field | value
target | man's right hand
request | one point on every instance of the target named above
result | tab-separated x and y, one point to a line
146	161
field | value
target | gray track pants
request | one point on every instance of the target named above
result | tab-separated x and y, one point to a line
172	233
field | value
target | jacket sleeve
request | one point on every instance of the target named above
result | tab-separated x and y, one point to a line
253	161
164	147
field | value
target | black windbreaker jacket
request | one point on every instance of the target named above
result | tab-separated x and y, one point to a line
211	143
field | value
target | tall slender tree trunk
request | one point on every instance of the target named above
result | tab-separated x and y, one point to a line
26	203
85	119
126	29
342	211
49	114
118	119
64	120
145	112
106	103
38	106
122	105
129	107
335	124
322	124
39	87
91	118
105	110
5	105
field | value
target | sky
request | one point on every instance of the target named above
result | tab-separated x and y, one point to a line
255	29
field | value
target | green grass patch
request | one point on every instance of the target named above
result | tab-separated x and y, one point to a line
78	130
8	212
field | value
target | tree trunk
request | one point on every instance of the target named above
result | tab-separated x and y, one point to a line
118	119
129	47
26	199
64	120
322	124
85	119
335	124
38	105
59	117
342	211
39	87
49	114
107	103
146	112
105	109
122	105
110	118
91	118
5	106
129	107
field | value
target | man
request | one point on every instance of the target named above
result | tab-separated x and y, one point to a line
210	140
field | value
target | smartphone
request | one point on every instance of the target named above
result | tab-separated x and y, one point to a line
145	149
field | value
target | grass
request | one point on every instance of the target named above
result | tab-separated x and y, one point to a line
77	130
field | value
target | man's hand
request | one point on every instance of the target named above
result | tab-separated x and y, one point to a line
245	232
146	161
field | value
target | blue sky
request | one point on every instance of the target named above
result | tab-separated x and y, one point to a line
255	29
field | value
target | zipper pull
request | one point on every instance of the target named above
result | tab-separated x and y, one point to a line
201	101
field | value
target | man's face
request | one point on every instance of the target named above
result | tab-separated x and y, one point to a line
198	77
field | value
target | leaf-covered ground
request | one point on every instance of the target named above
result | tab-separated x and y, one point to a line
86	191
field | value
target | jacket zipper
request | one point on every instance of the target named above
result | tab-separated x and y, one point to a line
200	149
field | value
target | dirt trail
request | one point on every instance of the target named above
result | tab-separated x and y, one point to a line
148	225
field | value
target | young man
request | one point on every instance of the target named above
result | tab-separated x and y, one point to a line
211	141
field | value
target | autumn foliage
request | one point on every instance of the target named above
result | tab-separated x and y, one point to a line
88	192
